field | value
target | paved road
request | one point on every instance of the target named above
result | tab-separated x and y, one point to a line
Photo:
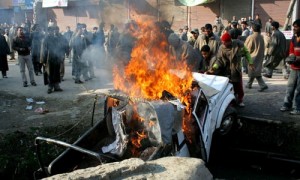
265	105
14	84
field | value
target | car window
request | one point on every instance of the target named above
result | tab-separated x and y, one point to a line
200	109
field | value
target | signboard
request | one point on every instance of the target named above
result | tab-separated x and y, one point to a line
192	2
288	34
55	3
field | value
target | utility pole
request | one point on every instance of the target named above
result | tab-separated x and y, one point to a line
34	18
289	14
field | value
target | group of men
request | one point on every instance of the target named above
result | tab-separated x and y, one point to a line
39	49
243	48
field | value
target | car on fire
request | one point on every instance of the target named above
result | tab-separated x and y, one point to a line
151	129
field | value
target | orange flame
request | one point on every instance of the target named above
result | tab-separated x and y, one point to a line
149	70
136	140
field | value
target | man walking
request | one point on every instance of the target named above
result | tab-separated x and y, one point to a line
255	45
22	44
276	51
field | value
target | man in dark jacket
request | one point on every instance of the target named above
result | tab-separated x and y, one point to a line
4	51
37	37
53	53
22	44
277	49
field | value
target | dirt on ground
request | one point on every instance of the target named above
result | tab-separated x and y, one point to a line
59	119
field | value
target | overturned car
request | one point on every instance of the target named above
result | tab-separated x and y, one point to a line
151	129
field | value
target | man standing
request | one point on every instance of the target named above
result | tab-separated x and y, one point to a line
22	44
193	39
68	35
276	51
229	60
4	51
255	45
210	39
257	20
235	32
184	35
293	86
53	53
112	41
78	44
37	37
268	27
182	51
11	35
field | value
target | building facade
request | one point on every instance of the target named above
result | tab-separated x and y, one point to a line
92	12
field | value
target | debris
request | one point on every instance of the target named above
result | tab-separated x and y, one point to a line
29	100
40	102
28	107
41	110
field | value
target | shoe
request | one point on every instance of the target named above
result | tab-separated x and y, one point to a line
33	83
248	86
262	89
78	82
241	104
25	84
295	112
36	74
284	108
49	91
4	76
267	75
58	89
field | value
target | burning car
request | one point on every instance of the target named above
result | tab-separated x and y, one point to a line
151	129
158	108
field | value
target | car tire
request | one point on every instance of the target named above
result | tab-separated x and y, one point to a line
228	121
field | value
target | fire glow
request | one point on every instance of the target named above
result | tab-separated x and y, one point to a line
151	69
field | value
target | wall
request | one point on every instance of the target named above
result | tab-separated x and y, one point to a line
117	12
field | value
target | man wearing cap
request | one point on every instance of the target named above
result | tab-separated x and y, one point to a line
277	49
208	38
182	51
192	40
229	61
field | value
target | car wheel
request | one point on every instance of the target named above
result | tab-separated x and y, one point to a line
229	118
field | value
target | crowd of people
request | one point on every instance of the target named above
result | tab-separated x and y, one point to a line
43	51
233	50
241	48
